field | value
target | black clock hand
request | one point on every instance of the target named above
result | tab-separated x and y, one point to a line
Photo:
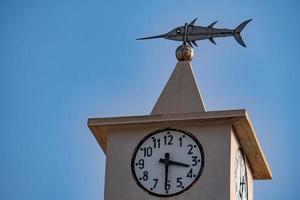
171	162
242	184
167	156
166	162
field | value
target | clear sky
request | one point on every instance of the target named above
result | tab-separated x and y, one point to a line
63	61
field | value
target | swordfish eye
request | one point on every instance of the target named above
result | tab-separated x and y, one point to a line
178	31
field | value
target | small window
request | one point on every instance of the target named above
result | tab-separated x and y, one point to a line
178	31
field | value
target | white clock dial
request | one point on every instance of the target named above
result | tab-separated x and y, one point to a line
241	177
167	162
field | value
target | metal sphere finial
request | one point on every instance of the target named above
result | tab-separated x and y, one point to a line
184	53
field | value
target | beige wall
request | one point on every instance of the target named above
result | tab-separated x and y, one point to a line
214	183
250	181
234	147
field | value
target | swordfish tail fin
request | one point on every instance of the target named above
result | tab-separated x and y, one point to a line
237	32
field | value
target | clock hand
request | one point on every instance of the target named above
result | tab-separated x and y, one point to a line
171	162
166	161
242	184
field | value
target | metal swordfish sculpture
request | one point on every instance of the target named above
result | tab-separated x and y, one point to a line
189	33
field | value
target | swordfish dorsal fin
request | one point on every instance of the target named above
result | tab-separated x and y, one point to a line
212	24
192	22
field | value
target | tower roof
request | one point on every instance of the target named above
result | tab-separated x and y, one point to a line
181	93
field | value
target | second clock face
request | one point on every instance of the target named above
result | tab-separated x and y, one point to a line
167	162
241	177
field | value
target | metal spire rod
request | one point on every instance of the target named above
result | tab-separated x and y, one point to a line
185	33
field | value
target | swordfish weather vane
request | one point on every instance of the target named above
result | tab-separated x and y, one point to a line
190	33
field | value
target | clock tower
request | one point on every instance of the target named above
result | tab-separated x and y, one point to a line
181	151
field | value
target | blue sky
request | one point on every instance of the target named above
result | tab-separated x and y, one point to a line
62	62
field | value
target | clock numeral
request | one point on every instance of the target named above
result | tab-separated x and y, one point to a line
145	176
191	149
190	174
180	141
155	183
147	151
168	139
179	181
156	143
195	160
168	185
141	163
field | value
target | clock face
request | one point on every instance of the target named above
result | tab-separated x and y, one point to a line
167	162
241	177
